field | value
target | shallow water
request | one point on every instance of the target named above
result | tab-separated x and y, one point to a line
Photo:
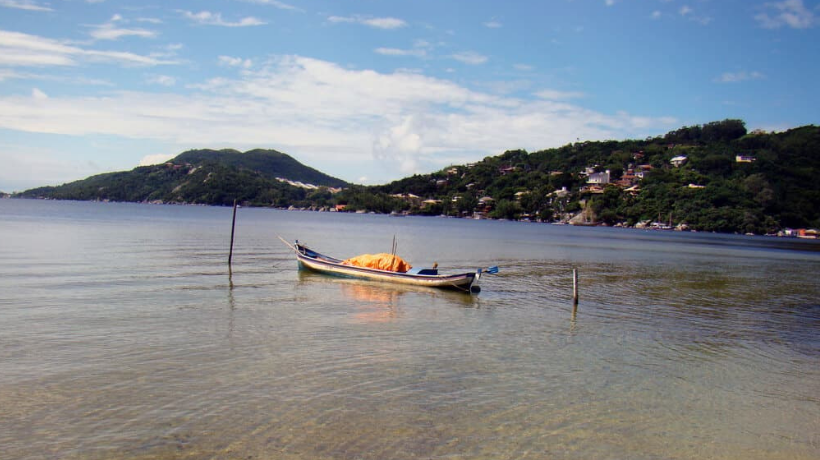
124	336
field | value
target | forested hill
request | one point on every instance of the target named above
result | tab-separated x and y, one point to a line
269	163
727	180
214	177
712	177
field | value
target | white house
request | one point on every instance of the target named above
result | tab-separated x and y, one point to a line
678	161
601	178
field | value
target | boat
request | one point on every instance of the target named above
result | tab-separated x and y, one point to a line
309	259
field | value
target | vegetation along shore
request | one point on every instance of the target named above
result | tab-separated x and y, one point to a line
712	177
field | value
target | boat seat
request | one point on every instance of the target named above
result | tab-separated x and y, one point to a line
422	271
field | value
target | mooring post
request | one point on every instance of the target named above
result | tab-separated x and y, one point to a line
233	226
575	286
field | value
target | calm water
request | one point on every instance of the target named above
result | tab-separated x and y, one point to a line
122	335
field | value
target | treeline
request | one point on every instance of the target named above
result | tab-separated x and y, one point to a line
209	183
772	187
711	191
269	163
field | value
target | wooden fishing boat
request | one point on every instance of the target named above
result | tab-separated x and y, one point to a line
309	259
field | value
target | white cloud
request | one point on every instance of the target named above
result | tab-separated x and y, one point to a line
163	80
215	19
379	23
10	75
19	49
276	3
109	31
167	51
155	159
493	24
77	80
38	95
352	123
789	13
689	13
734	77
229	61
29	5
400	52
470	57
385	23
420	49
609	2
656	14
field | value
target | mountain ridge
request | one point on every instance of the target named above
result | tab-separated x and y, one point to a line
711	177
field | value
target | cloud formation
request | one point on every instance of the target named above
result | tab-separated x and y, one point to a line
215	19
470	57
24	50
378	23
335	117
788	13
735	77
110	31
276	4
29	5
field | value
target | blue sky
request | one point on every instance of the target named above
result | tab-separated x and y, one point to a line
374	90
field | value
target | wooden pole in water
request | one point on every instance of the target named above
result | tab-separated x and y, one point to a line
574	294
233	226
575	287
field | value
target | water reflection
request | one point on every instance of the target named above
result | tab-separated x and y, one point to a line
377	302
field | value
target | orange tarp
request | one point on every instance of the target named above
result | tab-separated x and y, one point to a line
381	261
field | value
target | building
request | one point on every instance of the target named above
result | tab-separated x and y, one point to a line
744	159
601	178
560	193
678	161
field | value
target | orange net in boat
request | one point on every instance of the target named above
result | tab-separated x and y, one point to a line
381	261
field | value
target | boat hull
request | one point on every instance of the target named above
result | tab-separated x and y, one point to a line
311	260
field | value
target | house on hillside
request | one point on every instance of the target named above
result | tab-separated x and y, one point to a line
485	204
594	189
744	159
560	193
519	195
678	161
414	200
601	178
504	170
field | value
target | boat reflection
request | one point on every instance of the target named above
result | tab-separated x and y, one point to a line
380	302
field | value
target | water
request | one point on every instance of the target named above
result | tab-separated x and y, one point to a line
122	335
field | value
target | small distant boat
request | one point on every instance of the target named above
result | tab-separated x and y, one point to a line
309	259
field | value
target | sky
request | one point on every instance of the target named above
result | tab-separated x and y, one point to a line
371	91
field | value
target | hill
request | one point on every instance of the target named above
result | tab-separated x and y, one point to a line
269	163
724	179
712	177
203	177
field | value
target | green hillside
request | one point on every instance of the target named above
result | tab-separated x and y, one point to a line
713	190
712	177
269	163
202	177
